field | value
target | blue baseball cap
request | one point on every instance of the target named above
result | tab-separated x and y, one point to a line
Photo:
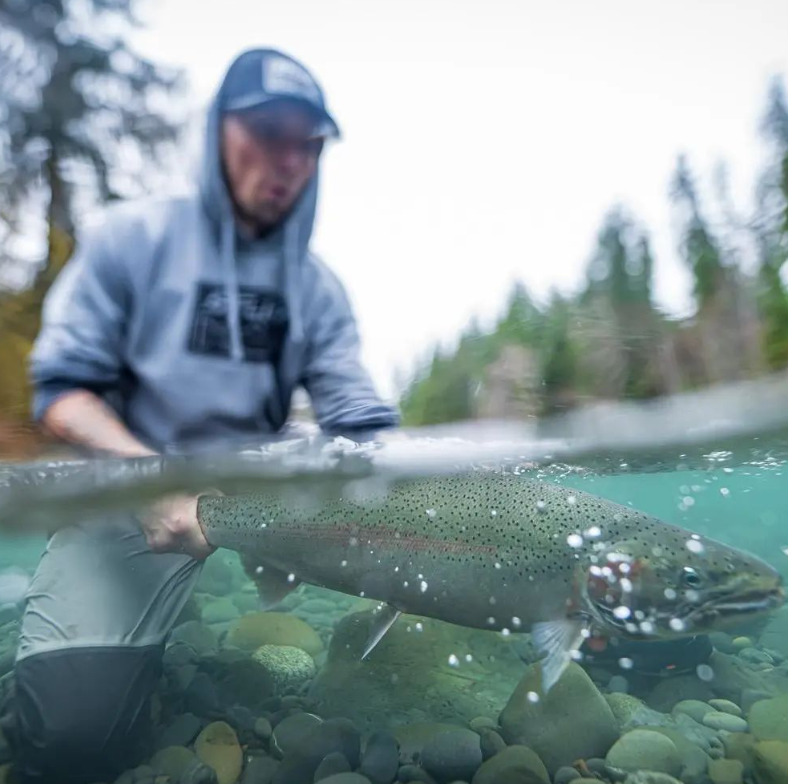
261	77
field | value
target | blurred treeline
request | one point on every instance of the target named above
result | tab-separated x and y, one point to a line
83	120
609	340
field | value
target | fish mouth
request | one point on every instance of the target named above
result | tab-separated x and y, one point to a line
753	602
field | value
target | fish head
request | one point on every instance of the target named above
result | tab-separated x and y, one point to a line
677	584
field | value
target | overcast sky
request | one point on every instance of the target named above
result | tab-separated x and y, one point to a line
484	140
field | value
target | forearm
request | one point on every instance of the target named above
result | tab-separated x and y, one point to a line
80	417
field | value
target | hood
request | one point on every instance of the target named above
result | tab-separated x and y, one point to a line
290	241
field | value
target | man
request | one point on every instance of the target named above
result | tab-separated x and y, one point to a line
178	323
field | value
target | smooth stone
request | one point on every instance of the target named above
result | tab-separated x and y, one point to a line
718	720
197	636
334	736
572	721
491	743
346	778
750	696
220	611
181	731
649	777
260	770
678	688
254	630
263	728
644	750
481	723
290	735
413	773
288	667
768	719
296	769
722	642
217	746
413	737
380	759
456	754
182	765
771	762
695	709
331	764
755	656
513	764
179	654
741	642
566	775
200	697
726	706
725	771
739	746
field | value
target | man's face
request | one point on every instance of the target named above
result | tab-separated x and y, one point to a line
269	155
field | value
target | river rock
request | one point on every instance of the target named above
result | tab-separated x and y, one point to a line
573	721
422	664
696	709
217	746
455	754
718	720
412	738
648	777
678	688
196	635
726	706
491	743
770	759
768	719
254	630
260	770
181	731
346	778
182	765
330	765
335	736
380	759
219	611
289	667
414	773
514	765
643	749
290	735
725	771
566	775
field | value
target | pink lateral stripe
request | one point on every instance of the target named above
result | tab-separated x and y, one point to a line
382	537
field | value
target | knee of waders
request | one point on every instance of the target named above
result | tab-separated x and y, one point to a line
82	714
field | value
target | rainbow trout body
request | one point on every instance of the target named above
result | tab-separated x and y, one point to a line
499	551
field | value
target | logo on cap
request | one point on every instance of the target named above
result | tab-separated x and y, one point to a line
284	77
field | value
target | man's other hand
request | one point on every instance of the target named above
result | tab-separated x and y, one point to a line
171	526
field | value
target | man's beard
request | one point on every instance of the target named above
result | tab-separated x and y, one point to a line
263	222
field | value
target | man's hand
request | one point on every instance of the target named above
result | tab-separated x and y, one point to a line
171	526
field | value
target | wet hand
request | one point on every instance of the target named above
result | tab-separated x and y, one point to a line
171	526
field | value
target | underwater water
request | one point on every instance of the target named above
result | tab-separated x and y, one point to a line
283	695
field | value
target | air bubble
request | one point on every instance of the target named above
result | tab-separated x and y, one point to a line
574	540
625	663
454	661
677	625
516	622
724	491
532	696
705	673
343	564
468	658
694	546
431	513
291	578
259	570
423	586
622	612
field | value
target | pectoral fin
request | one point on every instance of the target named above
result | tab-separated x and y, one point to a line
272	584
557	640
383	620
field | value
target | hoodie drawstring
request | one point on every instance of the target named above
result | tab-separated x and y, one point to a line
233	295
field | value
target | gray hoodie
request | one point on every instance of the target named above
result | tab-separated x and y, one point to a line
195	335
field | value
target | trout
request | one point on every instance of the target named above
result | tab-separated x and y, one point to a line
497	551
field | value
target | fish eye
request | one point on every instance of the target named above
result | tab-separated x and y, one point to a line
690	578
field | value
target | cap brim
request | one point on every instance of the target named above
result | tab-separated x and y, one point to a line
326	125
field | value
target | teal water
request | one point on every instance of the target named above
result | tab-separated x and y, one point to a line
442	703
